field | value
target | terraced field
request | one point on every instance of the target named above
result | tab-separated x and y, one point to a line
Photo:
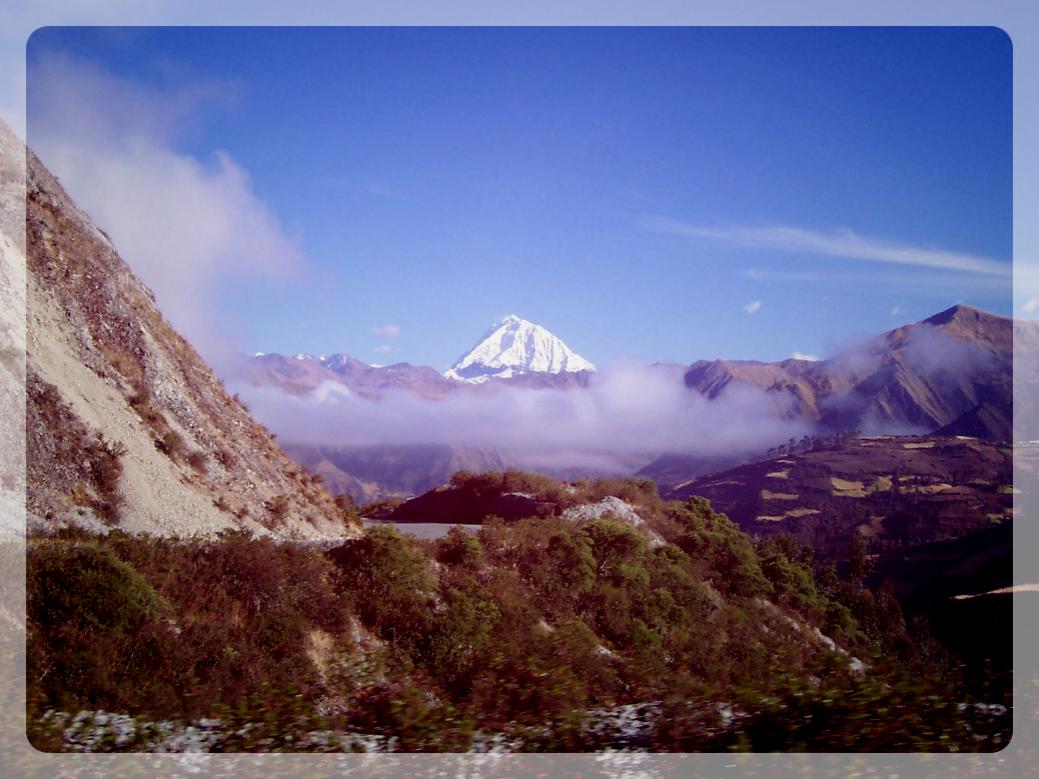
892	491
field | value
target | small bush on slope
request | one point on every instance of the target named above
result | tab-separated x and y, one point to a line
94	625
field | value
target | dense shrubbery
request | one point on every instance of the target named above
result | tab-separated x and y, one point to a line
223	618
92	615
523	627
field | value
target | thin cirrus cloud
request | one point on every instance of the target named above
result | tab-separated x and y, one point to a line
753	307
844	244
919	280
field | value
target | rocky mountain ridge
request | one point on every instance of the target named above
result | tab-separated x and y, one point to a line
304	373
126	424
914	379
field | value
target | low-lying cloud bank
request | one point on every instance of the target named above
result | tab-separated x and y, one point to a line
633	412
630	412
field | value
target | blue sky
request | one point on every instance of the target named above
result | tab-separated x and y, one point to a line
666	193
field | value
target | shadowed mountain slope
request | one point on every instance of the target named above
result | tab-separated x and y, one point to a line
891	491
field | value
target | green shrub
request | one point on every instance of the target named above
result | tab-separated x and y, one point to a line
462	631
106	469
460	548
94	626
618	550
726	553
388	581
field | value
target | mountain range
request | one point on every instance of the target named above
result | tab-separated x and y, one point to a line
952	372
303	373
513	352
949	374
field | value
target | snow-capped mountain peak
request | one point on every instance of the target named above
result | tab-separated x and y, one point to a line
512	347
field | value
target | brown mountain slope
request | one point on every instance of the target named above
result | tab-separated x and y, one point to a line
124	419
916	378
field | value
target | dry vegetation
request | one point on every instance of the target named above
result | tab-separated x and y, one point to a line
524	628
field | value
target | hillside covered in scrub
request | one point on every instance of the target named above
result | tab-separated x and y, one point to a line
573	630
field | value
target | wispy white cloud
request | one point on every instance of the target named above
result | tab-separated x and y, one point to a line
844	244
802	356
900	279
385	331
1031	306
188	226
897	310
753	307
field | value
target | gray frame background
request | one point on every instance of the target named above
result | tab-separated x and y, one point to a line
1018	18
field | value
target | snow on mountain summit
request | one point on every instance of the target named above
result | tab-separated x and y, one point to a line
512	347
